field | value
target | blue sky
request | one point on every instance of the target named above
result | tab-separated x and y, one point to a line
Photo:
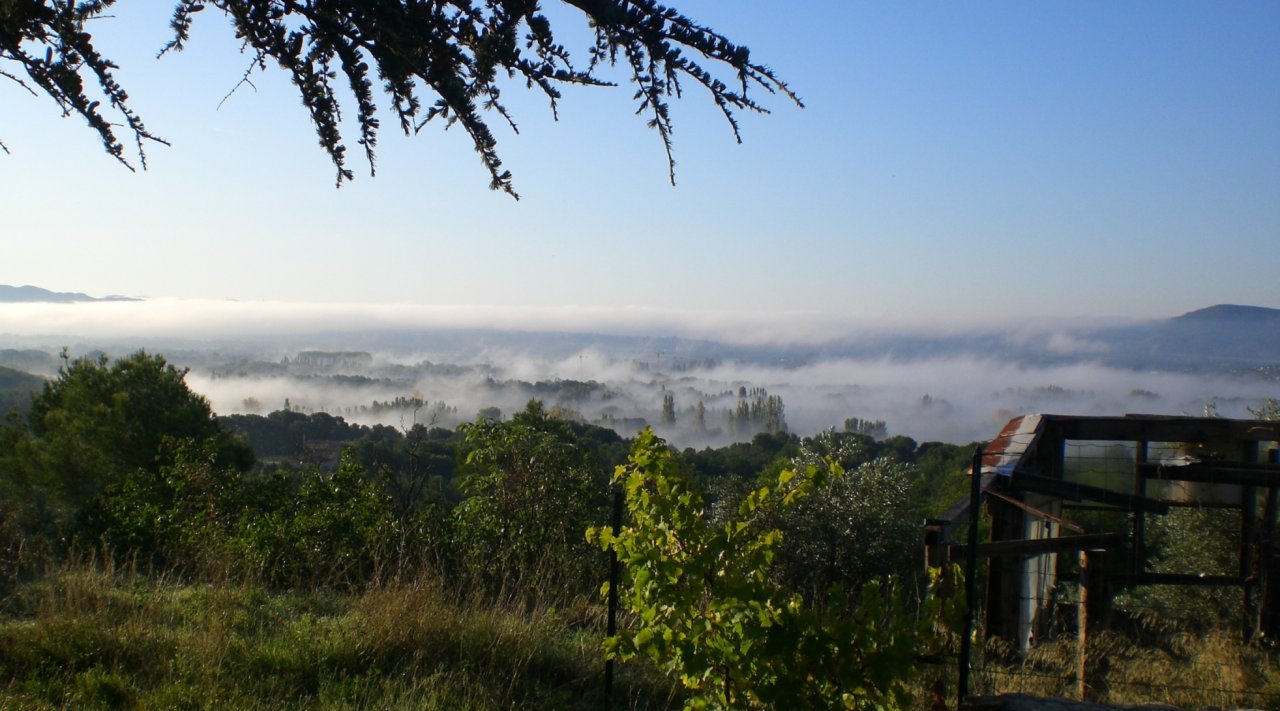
955	162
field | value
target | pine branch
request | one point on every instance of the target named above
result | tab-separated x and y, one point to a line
448	55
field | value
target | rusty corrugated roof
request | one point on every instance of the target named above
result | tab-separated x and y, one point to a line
1005	453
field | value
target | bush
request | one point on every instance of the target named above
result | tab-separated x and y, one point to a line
706	611
532	492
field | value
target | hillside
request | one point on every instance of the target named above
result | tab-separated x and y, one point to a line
1221	338
1232	313
34	294
16	388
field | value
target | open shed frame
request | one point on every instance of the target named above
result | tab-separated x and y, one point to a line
1026	478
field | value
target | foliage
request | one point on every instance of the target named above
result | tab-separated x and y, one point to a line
284	433
668	409
415	467
99	421
943	475
48	41
444	60
849	529
1268	410
762	413
16	390
300	528
743	459
338	528
532	491
876	429
182	515
707	612
1195	541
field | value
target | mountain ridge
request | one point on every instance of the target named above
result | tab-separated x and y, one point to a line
34	294
1231	312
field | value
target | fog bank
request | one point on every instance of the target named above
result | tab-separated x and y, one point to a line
952	400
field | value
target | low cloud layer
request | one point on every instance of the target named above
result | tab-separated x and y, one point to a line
918	390
952	400
204	319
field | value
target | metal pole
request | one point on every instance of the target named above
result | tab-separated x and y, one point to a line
1082	626
1138	563
613	595
970	576
1248	530
1266	571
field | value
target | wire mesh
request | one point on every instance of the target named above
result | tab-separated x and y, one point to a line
1145	641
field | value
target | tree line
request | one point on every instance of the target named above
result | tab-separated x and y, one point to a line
121	457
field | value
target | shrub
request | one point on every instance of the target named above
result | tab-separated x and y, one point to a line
706	611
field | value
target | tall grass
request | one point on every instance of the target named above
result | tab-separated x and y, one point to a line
89	634
1209	670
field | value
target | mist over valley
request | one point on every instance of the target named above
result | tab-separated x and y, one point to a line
693	382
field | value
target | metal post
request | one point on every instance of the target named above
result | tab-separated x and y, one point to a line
613	595
1082	626
1248	529
1248	544
1267	547
1138	562
970	576
1267	573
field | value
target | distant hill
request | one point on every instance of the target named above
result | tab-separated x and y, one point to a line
1222	338
30	360
29	294
1231	313
16	389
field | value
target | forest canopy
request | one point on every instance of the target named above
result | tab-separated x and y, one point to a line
444	60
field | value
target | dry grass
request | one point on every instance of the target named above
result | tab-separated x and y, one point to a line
89	635
1189	671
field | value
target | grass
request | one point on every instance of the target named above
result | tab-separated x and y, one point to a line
89	636
1211	670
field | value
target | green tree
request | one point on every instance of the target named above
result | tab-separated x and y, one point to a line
850	529
184	515
288	528
101	420
876	429
532	491
1268	410
442	60
706	611
336	529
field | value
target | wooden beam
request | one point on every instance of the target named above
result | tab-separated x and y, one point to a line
1240	473
1160	428
1083	492
1036	512
1038	546
1181	579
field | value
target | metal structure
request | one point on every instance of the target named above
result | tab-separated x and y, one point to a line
1041	468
